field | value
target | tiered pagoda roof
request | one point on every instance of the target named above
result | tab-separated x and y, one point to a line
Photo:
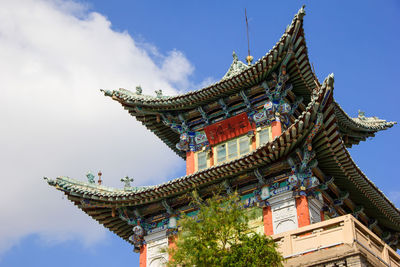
146	108
338	131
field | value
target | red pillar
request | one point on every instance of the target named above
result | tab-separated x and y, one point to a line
171	245
253	143
276	128
322	216
267	218
211	159
189	162
303	214
143	256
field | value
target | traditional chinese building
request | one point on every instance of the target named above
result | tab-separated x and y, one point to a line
274	133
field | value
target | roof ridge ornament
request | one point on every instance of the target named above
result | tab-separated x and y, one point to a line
159	93
328	86
361	114
106	92
302	12
127	182
235	57
139	90
90	177
49	181
374	121
236	67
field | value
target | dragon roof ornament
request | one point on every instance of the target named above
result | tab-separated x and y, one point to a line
371	120
236	67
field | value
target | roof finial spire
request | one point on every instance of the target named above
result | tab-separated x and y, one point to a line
235	57
99	174
249	58
301	13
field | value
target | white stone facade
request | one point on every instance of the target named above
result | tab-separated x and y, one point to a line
155	242
284	212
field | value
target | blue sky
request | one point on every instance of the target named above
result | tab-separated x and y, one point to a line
57	54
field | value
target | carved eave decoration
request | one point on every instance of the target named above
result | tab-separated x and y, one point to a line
330	152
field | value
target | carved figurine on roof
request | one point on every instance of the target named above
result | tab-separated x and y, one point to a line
236	67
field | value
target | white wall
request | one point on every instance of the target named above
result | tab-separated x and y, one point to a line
155	242
284	212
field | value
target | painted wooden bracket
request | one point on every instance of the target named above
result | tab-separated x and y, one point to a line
167	207
203	114
259	177
184	124
224	107
227	186
245	99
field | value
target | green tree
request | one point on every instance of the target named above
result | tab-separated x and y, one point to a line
219	235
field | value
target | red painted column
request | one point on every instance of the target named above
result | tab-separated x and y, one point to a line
303	214
267	218
253	143
189	162
322	216
276	128
171	245
211	159
143	256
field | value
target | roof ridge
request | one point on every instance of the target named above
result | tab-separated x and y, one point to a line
123	93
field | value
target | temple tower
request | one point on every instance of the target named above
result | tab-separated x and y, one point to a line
275	134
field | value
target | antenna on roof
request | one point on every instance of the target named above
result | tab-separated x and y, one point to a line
249	58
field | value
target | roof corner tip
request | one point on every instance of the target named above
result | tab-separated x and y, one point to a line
106	92
49	181
329	80
302	12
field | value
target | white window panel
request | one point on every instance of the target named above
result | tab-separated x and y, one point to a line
232	149
221	153
264	136
201	160
244	145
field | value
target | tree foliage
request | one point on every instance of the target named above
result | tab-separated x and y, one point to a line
219	235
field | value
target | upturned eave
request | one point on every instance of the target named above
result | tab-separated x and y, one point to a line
332	155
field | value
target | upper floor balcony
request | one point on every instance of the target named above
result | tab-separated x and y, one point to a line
341	241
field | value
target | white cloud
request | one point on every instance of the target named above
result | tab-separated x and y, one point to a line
177	68
55	55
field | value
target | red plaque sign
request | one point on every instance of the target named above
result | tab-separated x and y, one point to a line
228	128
